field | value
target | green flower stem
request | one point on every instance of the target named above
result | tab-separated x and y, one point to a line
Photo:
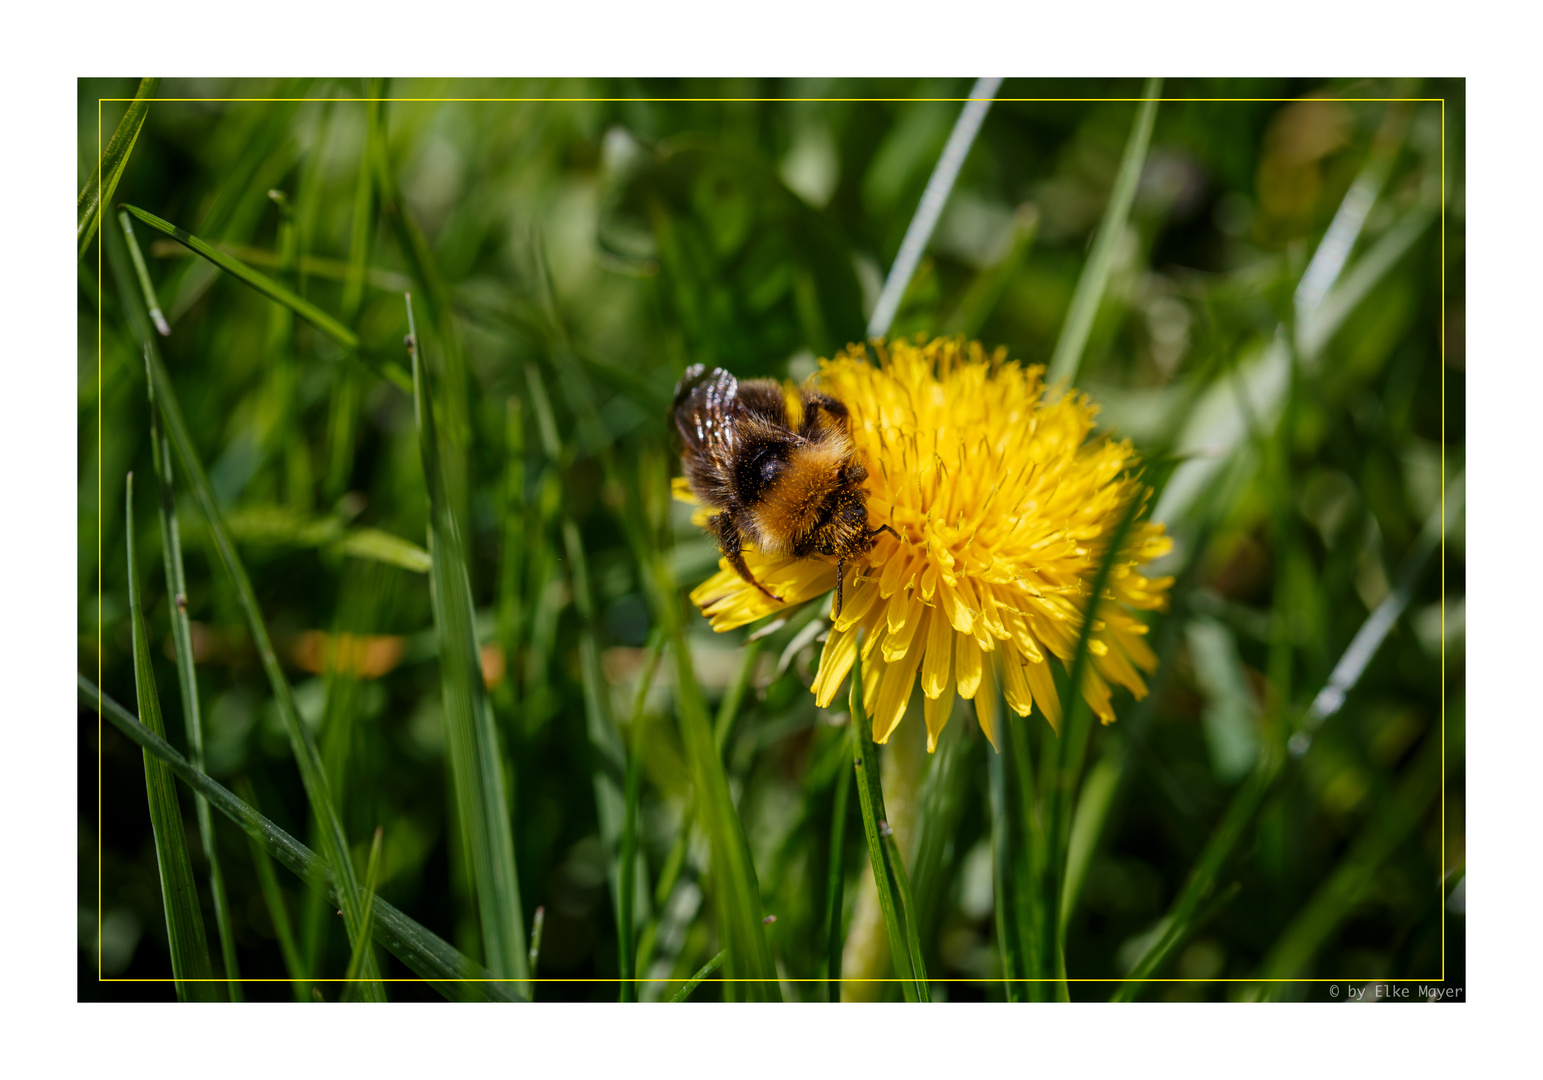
870	797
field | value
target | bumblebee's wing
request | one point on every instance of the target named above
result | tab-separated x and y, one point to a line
705	407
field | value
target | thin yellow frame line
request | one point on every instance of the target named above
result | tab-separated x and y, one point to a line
1441	347
99	540
764	100
780	978
1441	890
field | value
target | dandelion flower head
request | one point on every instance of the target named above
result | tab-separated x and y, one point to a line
1004	506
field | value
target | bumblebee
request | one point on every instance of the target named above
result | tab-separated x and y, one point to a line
786	489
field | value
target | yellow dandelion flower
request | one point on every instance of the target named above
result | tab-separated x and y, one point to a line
1004	507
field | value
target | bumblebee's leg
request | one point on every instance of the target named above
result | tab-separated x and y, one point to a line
841	574
814	401
728	540
885	528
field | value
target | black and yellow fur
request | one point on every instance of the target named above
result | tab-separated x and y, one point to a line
783	474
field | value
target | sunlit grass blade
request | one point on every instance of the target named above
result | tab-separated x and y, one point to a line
1369	270
537	923
187	678
423	951
1358	654
105	175
362	945
279	294
696	980
870	798
273	898
1333	250
835	886
933	199
184	919
1217	426
475	757
1095	275
142	272
335	844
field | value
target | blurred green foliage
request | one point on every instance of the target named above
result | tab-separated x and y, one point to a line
569	259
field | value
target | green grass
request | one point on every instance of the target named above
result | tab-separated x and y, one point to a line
558	760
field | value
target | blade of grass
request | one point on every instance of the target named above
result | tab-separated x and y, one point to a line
1009	940
1215	427
1095	275
1087	824
696	980
455	411
273	897
1352	664
728	708
511	564
934	198
184	921
362	946
142	272
870	798
284	526
1061	768
908	910
1272	756
265	152
629	833
424	952
943	802
364	593
105	175
1030	852
600	727
835	886
1389	825
335	844
279	294
311	266
1183	912
187	678
537	922
476	762
736	891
